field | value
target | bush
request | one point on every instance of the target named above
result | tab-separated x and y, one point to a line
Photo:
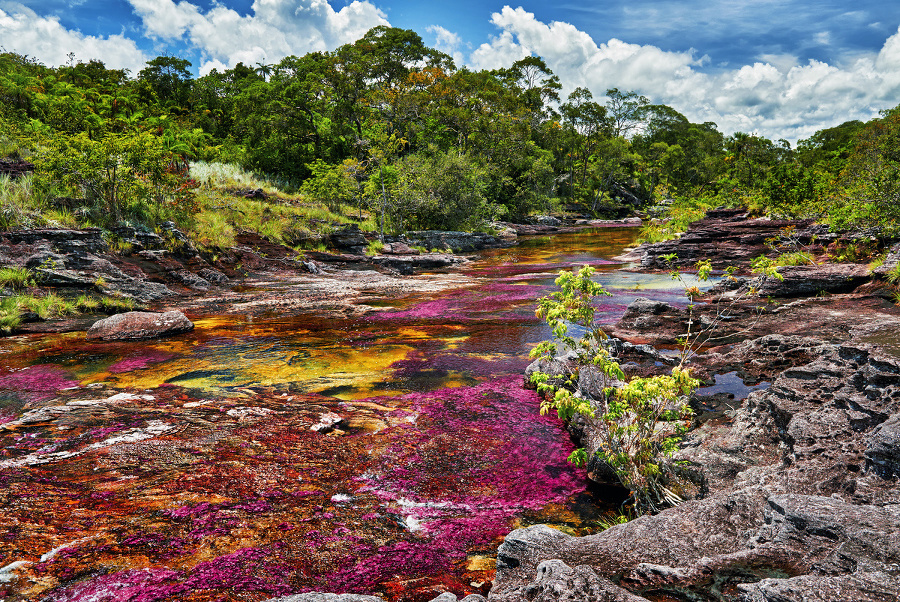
633	444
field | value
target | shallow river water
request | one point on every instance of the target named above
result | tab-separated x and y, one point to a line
186	468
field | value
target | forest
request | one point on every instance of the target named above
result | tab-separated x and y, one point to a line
390	134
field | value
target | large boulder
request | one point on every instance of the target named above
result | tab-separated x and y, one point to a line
137	325
805	280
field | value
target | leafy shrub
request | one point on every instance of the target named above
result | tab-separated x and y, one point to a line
633	444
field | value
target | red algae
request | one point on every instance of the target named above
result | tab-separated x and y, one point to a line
37	383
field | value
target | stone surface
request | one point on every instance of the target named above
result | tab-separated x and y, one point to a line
137	325
459	242
728	238
807	280
883	448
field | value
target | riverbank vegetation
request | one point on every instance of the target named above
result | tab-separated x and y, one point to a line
391	134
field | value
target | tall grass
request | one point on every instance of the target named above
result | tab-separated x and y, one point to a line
16	277
21	203
51	306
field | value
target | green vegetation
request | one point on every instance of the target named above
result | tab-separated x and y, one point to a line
15	307
390	133
633	412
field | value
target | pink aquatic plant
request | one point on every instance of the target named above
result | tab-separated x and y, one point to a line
37	383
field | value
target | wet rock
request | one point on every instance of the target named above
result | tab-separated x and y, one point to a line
883	449
136	325
459	242
643	314
805	280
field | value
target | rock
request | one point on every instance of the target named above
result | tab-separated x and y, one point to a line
891	261
15	168
349	239
178	239
727	238
643	315
883	449
213	276
141	291
805	280
547	220
557	581
61	240
190	280
459	242
136	325
410	264
859	587
328	421
398	248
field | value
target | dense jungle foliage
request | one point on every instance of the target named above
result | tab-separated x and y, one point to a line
389	132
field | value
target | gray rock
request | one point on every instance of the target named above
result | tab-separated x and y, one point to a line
883	449
891	261
555	581
213	276
460	242
410	264
805	280
190	280
859	587
141	291
137	325
349	239
324	597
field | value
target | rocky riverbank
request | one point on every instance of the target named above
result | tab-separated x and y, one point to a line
800	498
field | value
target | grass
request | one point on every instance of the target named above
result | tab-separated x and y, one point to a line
374	248
16	278
13	308
282	217
794	258
21	203
677	219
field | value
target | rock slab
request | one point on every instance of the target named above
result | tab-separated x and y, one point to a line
137	325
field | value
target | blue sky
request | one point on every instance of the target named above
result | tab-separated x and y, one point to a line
780	68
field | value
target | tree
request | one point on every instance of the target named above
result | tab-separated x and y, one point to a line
626	111
169	79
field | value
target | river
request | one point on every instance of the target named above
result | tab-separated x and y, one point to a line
186	468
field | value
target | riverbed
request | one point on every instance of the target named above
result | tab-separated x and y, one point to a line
260	455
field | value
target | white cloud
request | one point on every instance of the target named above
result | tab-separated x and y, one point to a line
25	32
776	96
447	42
273	29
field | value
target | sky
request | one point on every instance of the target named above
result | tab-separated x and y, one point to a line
782	69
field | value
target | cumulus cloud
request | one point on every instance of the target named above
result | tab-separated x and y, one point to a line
447	42
272	30
777	96
44	38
